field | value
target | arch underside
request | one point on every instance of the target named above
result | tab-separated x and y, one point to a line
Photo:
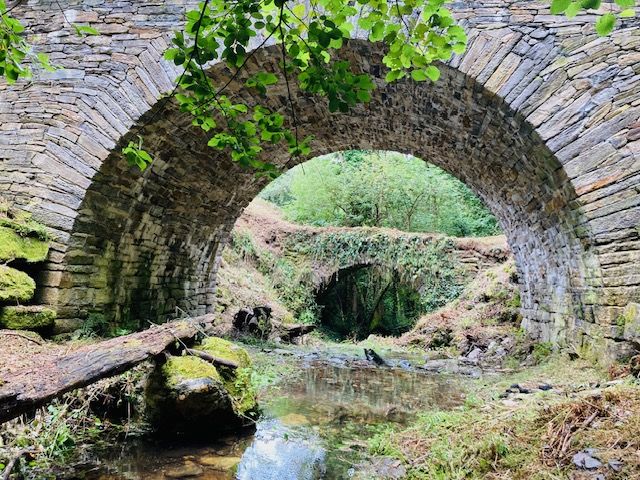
147	246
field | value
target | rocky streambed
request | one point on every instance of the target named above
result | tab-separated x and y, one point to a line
317	421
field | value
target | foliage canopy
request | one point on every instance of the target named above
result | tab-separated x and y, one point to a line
380	189
416	35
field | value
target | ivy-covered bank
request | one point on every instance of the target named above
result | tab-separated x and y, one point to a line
24	243
292	267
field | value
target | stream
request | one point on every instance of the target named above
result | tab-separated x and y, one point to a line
314	426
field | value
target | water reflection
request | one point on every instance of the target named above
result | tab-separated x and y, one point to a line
316	426
280	453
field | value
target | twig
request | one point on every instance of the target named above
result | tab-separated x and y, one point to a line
211	359
21	335
286	79
12	463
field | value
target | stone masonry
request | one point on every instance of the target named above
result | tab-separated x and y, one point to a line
540	117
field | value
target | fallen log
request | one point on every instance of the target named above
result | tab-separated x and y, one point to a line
27	389
293	331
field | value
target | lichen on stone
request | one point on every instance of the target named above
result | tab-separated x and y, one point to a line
15	286
15	246
27	317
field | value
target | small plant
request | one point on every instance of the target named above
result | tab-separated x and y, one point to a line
96	325
541	351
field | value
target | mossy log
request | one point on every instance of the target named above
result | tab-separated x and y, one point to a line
23	391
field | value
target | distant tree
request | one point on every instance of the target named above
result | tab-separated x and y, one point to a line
381	189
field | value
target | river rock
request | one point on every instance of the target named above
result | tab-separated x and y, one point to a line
190	395
474	356
219	463
187	470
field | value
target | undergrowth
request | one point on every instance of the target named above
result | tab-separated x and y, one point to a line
95	415
532	438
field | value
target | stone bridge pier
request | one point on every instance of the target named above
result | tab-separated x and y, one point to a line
540	117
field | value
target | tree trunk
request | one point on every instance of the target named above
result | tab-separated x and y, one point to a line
28	389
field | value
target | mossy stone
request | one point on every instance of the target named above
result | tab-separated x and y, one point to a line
188	393
238	382
14	246
179	369
15	286
34	317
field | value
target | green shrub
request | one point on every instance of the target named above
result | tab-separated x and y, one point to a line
382	189
541	351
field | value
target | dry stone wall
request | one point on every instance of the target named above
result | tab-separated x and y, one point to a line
539	117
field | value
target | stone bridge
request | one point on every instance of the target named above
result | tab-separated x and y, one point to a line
332	250
539	117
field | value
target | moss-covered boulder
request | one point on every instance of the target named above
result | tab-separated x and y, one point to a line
33	317
15	286
14	246
189	394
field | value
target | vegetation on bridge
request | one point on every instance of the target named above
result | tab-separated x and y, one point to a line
417	34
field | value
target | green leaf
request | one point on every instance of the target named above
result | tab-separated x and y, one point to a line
85	30
363	96
43	59
377	32
459	48
433	73
559	6
590	4
573	10
629	12
419	75
605	24
299	10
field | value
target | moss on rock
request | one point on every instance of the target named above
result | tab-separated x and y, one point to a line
238	382
15	286
15	246
190	394
178	369
27	317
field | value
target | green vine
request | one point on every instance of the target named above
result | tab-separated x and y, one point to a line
421	261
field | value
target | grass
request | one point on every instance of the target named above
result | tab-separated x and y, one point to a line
532	438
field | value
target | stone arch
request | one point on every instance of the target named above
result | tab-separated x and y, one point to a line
538	117
167	225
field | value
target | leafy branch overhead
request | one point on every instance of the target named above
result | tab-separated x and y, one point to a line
606	22
416	34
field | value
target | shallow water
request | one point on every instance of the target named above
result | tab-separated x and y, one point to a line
314	426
